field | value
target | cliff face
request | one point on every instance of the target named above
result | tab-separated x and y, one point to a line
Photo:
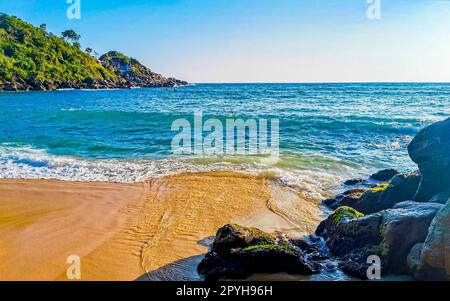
33	59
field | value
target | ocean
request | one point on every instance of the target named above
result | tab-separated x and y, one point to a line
328	132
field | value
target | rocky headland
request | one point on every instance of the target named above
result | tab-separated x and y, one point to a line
403	218
33	59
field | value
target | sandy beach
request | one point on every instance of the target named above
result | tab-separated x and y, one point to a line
153	230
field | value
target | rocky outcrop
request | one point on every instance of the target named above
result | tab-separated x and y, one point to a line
238	252
402	219
435	253
131	73
430	149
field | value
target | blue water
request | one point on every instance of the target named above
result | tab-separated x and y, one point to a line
327	131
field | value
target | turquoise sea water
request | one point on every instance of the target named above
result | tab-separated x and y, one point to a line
327	131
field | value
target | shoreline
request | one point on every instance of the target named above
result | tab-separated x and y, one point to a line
100	88
153	230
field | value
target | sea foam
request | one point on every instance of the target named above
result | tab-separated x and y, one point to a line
32	163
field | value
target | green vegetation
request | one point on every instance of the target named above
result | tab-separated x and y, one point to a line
344	214
379	188
281	247
71	35
33	56
344	219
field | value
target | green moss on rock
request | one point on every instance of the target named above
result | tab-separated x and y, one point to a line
281	247
344	214
379	188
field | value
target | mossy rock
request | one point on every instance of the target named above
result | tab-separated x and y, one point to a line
345	214
401	188
348	229
369	200
240	251
234	236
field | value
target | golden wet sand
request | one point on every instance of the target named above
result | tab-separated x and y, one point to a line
146	230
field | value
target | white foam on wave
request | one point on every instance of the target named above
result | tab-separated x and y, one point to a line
31	163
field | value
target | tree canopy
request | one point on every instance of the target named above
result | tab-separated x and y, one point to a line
71	35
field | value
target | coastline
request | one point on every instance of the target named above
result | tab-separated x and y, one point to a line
153	230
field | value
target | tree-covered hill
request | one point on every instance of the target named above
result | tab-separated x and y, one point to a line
33	59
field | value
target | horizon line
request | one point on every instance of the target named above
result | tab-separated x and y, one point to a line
331	82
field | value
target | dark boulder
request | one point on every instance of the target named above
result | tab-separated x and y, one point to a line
430	149
384	175
275	258
238	252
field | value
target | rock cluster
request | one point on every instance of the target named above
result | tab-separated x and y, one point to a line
408	214
403	218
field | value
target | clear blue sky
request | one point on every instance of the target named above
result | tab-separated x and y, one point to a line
262	40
